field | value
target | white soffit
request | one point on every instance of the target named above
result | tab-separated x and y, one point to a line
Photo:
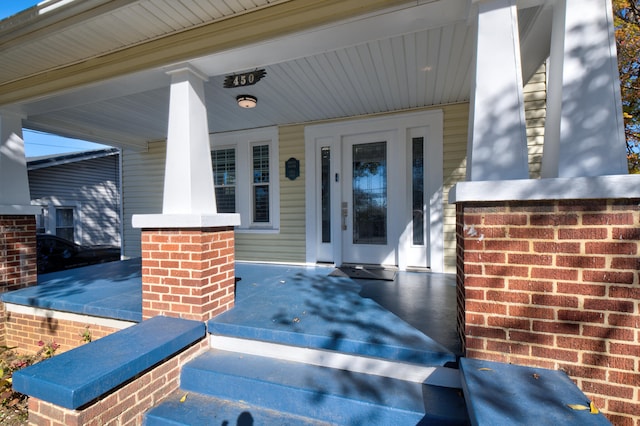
406	57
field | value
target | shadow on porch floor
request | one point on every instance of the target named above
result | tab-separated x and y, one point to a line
298	298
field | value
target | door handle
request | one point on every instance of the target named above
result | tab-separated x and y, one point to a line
345	213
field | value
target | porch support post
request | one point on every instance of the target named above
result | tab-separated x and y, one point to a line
548	272
188	250
13	165
584	133
17	215
497	147
188	180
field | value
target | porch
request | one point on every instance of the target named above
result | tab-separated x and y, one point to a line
414	308
299	347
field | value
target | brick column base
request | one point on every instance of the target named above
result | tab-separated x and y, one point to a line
556	284
18	260
188	273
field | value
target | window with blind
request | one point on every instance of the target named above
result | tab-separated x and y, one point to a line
224	179
245	174
64	223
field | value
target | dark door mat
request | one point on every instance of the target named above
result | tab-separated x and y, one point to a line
364	273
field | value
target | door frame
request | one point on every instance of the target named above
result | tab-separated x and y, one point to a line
331	135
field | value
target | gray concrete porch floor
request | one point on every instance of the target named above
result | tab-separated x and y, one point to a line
420	300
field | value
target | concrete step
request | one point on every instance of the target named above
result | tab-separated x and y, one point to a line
307	308
447	375
332	395
202	410
504	394
395	341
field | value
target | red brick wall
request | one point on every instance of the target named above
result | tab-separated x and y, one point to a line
188	273
127	404
18	263
26	331
556	284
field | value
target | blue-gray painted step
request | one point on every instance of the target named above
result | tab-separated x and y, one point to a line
201	410
331	395
303	309
504	394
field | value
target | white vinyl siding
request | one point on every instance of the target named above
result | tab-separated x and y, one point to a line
142	186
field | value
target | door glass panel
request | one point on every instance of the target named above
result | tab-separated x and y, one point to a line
326	193
417	172
370	193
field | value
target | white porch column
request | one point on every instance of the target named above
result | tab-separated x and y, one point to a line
497	147
189	197
15	197
199	280
188	181
584	132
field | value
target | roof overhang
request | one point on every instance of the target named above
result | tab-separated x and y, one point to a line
324	59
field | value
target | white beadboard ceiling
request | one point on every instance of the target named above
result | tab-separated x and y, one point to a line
100	27
409	57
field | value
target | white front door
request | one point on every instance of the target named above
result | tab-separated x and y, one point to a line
368	166
374	191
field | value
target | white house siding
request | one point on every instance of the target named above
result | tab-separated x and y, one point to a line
142	185
91	188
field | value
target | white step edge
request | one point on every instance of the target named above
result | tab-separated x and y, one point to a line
430	375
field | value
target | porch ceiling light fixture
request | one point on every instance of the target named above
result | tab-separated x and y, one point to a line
246	101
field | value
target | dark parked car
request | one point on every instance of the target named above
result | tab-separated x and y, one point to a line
55	254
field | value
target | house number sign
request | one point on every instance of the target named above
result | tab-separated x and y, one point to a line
244	79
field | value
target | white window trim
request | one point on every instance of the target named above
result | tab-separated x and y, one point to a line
243	141
44	213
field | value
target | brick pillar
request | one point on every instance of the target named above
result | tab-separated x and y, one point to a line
556	284
188	273
18	263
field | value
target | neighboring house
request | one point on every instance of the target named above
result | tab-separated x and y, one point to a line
79	194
